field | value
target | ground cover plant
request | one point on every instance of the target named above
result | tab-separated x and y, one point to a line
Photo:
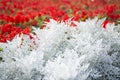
59	40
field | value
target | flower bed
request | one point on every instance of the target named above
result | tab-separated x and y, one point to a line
59	40
61	51
36	12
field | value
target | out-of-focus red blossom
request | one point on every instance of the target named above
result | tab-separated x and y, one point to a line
105	23
110	8
26	30
8	32
73	24
24	13
65	17
76	17
20	18
112	16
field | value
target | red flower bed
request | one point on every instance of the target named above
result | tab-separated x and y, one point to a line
7	32
17	15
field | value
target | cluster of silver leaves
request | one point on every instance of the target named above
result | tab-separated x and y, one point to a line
62	52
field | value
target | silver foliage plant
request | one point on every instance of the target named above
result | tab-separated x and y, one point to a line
61	52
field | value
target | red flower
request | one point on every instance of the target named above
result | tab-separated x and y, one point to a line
105	23
26	31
